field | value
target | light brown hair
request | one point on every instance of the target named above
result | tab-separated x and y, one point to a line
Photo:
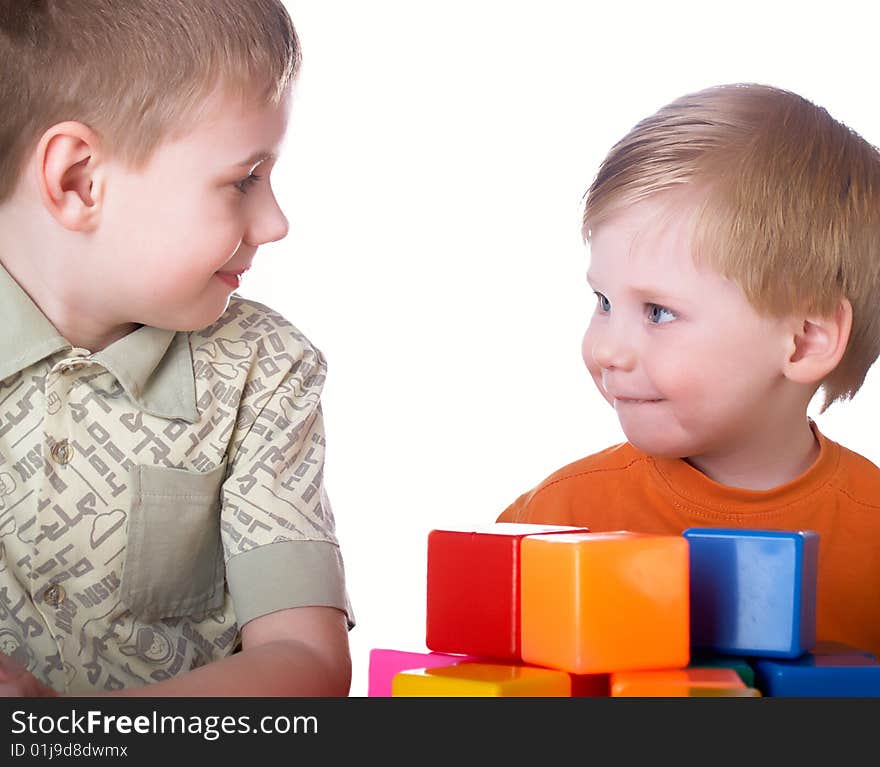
790	205
134	71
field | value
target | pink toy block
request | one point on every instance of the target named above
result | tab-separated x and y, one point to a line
384	664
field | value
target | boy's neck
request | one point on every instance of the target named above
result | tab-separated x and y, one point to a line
781	457
58	302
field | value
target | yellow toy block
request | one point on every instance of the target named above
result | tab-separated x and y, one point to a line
682	683
720	692
481	680
602	602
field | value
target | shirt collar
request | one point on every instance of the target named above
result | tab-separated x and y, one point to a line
153	365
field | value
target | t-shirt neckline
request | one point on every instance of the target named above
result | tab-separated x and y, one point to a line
695	487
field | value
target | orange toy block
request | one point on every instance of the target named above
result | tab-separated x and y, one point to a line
601	602
481	680
683	683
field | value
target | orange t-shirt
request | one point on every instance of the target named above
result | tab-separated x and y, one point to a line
622	488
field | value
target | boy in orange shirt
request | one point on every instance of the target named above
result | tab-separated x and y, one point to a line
735	257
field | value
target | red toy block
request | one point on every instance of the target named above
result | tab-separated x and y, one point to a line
474	588
590	685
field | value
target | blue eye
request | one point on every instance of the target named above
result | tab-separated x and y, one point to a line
247	183
604	303
657	314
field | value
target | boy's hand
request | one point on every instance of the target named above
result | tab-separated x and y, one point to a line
17	682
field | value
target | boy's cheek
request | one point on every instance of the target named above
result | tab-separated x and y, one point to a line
593	368
596	375
587	350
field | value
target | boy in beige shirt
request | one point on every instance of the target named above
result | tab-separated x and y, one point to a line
161	439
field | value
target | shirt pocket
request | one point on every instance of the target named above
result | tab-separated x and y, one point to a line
174	556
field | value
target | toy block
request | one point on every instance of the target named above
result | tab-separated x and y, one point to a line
590	685
384	664
681	683
718	692
475	680
753	592
473	594
740	665
604	602
843	672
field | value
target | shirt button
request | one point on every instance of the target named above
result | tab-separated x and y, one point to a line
54	595
62	452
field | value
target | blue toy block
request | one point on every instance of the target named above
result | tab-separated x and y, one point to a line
841	673
753	592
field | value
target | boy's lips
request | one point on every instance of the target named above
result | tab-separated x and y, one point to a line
633	400
232	278
619	396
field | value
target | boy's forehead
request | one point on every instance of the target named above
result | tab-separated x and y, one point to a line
646	251
648	235
238	133
657	216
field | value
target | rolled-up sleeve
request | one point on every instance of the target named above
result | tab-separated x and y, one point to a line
277	526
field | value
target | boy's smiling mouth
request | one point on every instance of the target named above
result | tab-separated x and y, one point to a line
616	396
232	278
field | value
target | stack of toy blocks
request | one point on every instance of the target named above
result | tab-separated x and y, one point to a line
541	611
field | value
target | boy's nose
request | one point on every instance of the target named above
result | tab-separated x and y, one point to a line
612	352
280	227
269	224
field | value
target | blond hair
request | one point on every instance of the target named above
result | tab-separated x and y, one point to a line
134	71
790	205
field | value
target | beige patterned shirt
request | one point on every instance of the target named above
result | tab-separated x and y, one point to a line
157	495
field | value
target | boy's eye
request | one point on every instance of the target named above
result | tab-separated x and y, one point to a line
604	303
247	183
659	314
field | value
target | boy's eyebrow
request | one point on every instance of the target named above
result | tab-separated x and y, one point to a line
256	158
648	293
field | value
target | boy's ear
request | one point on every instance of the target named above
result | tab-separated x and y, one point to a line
69	175
817	344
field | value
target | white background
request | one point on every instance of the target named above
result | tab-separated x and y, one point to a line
433	175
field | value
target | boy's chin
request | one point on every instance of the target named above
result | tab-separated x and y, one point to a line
191	320
657	445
